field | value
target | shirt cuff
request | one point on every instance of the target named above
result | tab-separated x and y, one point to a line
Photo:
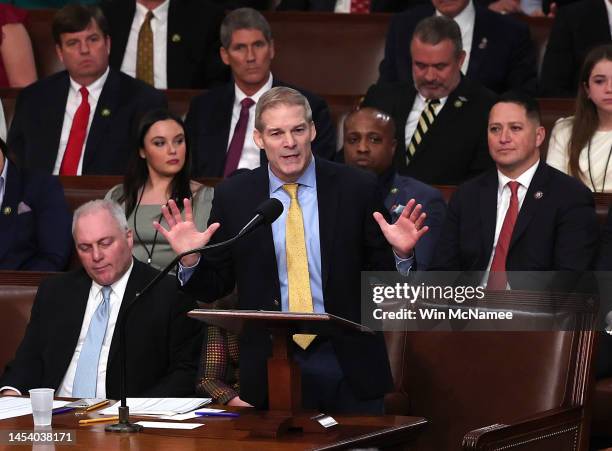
403	265
185	272
8	387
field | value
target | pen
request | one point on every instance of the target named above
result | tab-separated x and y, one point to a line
217	414
62	410
97	420
95	406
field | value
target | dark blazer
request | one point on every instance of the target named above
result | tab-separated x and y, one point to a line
162	343
34	222
405	188
351	242
455	147
378	6
209	121
36	129
554	231
502	57
192	58
576	30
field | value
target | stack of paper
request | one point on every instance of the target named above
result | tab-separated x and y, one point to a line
11	407
159	406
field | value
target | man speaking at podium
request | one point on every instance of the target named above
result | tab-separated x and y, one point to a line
308	260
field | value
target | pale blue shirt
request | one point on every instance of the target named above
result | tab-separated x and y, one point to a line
307	198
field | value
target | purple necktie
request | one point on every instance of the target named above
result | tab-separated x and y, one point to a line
235	147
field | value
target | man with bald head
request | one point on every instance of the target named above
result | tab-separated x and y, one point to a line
369	143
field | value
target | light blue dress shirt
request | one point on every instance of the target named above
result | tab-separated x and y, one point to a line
307	197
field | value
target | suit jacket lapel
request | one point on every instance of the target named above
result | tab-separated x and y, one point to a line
8	212
488	213
72	323
530	203
175	66
107	104
136	282
53	110
222	122
479	44
327	199
121	31
402	113
450	112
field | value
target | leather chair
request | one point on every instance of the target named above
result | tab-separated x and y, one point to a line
495	389
17	292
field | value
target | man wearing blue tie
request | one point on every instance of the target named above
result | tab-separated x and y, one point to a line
70	343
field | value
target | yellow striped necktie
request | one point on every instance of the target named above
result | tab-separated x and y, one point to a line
298	277
144	55
428	115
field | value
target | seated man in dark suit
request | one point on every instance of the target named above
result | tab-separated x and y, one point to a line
34	219
182	52
70	343
499	52
440	117
369	142
78	121
309	259
522	216
577	29
220	122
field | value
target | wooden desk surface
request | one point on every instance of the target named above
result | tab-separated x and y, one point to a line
221	434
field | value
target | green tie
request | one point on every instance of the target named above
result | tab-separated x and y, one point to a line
144	56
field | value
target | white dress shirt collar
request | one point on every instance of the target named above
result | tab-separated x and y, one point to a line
94	89
239	95
609	9
160	13
524	179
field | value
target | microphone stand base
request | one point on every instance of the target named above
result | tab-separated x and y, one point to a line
124	424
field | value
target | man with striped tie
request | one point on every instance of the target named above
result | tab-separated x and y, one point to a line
442	117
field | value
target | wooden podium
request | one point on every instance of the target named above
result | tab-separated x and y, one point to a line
284	376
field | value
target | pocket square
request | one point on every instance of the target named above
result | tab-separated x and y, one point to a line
23	208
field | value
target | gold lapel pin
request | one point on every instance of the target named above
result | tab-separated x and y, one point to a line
458	104
7	210
176	38
393	190
105	112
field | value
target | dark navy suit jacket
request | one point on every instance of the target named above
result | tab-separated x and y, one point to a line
36	129
402	190
502	57
210	118
34	222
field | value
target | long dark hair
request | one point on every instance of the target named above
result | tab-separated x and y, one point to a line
138	172
586	120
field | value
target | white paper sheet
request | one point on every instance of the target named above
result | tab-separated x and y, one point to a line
163	425
11	407
158	406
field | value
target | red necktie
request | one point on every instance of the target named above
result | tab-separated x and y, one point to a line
78	132
497	277
360	6
235	148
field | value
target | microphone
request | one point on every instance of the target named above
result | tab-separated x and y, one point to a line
266	213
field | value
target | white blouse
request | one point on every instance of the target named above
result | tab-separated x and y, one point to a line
601	148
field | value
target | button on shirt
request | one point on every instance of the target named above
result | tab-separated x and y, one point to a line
503	201
250	157
413	118
465	19
159	27
307	197
72	104
94	300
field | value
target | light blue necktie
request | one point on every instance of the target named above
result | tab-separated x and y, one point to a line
86	376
